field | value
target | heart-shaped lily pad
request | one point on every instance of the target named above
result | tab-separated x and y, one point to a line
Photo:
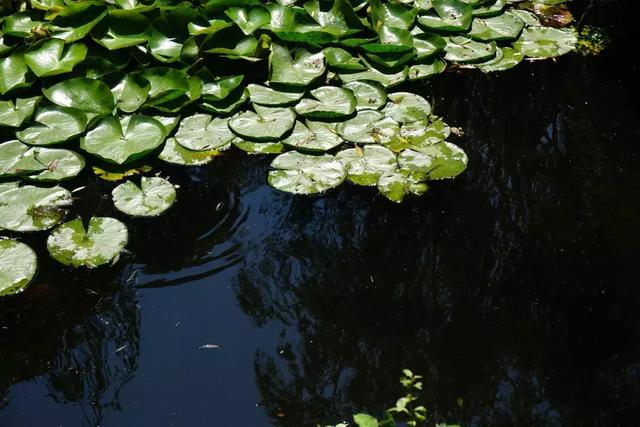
17	159
18	266
301	71
131	92
406	107
365	165
370	95
14	73
463	49
59	164
13	114
368	127
253	147
506	26
153	197
86	95
174	153
56	125
125	139
201	132
51	57
264	95
306	174
543	42
315	136
330	102
70	244
448	15
438	161
32	208
266	124
396	185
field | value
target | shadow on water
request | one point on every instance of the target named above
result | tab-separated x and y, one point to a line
512	289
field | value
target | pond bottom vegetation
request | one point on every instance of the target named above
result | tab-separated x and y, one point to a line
115	84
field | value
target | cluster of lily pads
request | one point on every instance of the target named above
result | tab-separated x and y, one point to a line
125	82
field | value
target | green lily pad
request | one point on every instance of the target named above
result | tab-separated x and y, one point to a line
18	266
365	165
506	26
17	159
218	89
76	20
438	161
253	147
176	154
249	19
51	57
506	58
421	133
263	95
32	208
463	49
370	95
59	164
166	84
122	28
14	73
543	42
315	136
266	124
14	114
427	45
153	197
169	123
302	70
341	60
428	69
396	185
125	139
490	9
6	186
131	92
386	80
229	105
406	107
101	243
201	132
81	93
330	102
56	125
368	127
306	174
448	15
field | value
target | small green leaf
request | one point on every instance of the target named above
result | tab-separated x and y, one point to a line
59	164
263	95
14	73
370	95
153	197
176	154
406	107
131	92
365	420
368	127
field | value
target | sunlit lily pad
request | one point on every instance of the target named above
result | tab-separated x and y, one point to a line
306	174
81	93
369	94
315	136
464	49
18	266
368	127
16	159
14	73
125	139
253	147
506	26
174	153
131	92
55	125
365	165
60	164
202	132
264	95
438	161
101	243
152	198
122	28
422	133
330	102
448	15
506	58
543	42
299	71
406	107
266	124
51	57
398	184
32	208
13	114
427	69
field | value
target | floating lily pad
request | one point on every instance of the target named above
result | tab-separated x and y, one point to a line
125	139
396	185
315	136
218	89
542	42
369	94
253	147
464	49
76	20
131	92
229	105
506	26
101	243
14	114
266	124
81	93
306	174
56	125
122	28
176	154
14	73
264	95
32	208
448	15
17	159
330	102
438	161
169	123
506	58
368	127
51	57
18	266
365	165
201	132
422	133
429	68
386	80
153	197
342	60
406	107
59	164
299	71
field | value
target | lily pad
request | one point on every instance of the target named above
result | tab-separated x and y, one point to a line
506	58
438	161
59	164
176	154
101	243
18	266
218	89
131	92
315	136
56	125
330	102
253	147
17	159
396	185
342	60
32	208
370	95
463	49
306	174
152	198
122	28
81	93
448	15
201	132
266	124
422	133
14	73
14	114
364	165
51	57
368	127
264	95
125	139
229	105
427	69
543	42
299	71
77	19
406	107
506	26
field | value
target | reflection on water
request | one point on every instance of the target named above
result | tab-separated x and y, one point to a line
512	289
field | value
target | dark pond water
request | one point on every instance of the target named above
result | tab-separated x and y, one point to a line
514	288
